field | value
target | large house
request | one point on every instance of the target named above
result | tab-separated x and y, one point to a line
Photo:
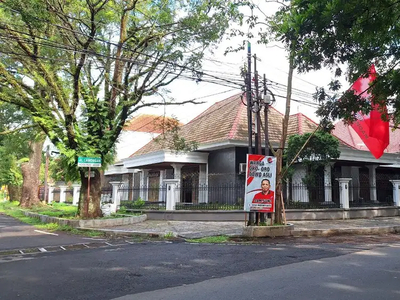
221	133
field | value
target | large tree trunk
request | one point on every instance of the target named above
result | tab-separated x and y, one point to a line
89	208
30	174
14	192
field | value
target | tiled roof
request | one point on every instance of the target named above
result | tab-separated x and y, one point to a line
300	124
146	123
349	137
227	120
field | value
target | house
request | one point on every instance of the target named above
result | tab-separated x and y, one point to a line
221	132
137	132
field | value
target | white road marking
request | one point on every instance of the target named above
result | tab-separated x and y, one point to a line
46	232
42	250
62	248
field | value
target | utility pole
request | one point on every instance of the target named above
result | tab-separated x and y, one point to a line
257	108
266	103
249	100
249	114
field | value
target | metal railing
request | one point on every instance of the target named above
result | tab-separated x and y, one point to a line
153	198
230	196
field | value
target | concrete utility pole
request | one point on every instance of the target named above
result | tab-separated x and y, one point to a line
257	108
266	101
249	100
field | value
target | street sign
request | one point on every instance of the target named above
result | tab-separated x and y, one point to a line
94	162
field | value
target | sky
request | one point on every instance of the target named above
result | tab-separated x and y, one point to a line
272	62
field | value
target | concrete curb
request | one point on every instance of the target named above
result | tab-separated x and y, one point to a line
346	231
92	224
260	231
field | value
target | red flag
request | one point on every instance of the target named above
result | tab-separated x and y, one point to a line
373	131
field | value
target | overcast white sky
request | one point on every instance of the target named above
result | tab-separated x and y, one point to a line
273	62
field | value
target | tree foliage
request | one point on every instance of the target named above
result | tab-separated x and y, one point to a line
13	142
353	33
313	150
93	63
170	137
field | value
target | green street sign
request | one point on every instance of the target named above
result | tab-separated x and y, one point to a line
94	162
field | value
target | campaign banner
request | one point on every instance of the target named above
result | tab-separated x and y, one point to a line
260	183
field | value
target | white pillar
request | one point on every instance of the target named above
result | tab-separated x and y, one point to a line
344	191
161	191
178	176
328	182
172	193
203	188
144	184
51	194
372	183
63	188
77	189
115	196
396	191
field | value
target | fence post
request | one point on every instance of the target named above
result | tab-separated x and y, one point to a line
172	190
51	194
75	193
63	188
344	191
115	196
396	191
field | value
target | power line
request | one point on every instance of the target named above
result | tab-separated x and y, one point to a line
117	45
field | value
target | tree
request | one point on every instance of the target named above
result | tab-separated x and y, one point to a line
16	133
313	150
353	33
94	63
269	29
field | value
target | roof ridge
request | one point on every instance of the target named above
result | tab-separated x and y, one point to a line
305	116
299	123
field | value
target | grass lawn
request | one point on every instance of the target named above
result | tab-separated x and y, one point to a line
12	209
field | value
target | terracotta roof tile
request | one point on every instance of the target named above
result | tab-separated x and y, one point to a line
349	137
146	123
227	120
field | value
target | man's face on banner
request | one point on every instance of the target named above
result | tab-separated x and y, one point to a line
265	185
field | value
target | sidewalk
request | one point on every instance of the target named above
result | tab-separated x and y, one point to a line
196	229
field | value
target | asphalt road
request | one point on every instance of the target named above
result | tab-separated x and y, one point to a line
17	235
367	275
344	268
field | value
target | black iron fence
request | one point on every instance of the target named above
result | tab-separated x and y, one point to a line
230	196
361	196
153	197
301	196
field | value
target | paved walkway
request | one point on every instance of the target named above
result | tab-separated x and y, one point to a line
198	229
